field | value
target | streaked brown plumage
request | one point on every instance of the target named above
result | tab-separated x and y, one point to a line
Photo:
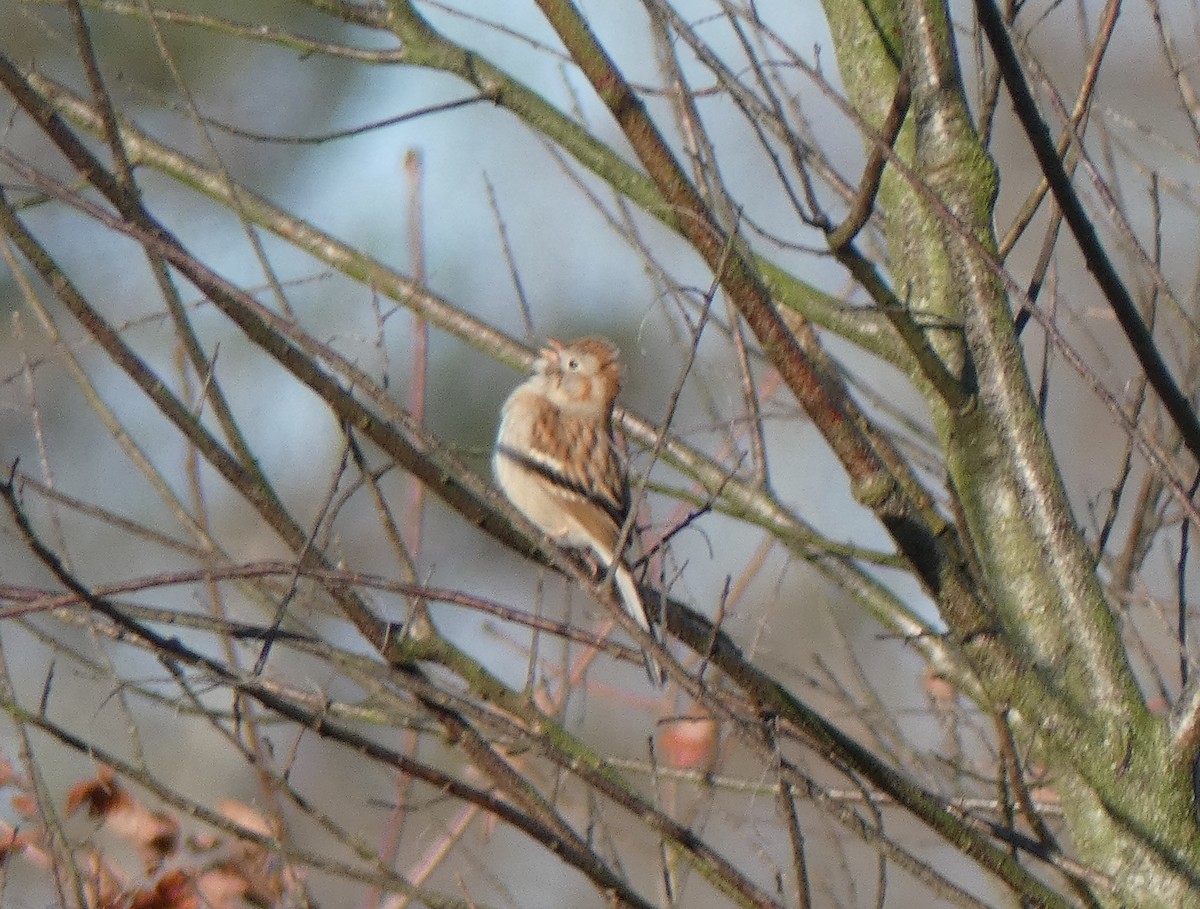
556	460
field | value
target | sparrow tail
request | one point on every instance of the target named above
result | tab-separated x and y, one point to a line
631	599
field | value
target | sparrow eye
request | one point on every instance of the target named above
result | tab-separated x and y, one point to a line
572	363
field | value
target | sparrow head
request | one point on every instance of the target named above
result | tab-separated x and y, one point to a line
584	373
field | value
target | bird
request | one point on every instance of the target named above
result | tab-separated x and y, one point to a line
557	461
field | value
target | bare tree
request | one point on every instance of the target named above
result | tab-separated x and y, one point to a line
889	389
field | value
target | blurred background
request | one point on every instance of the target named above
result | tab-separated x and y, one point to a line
328	121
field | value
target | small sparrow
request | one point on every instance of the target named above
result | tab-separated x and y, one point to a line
556	460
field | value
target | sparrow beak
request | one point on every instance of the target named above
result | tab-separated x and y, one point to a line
550	357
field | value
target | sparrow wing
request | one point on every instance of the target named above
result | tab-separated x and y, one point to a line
578	456
594	511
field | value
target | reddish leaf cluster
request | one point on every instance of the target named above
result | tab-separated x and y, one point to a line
174	873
